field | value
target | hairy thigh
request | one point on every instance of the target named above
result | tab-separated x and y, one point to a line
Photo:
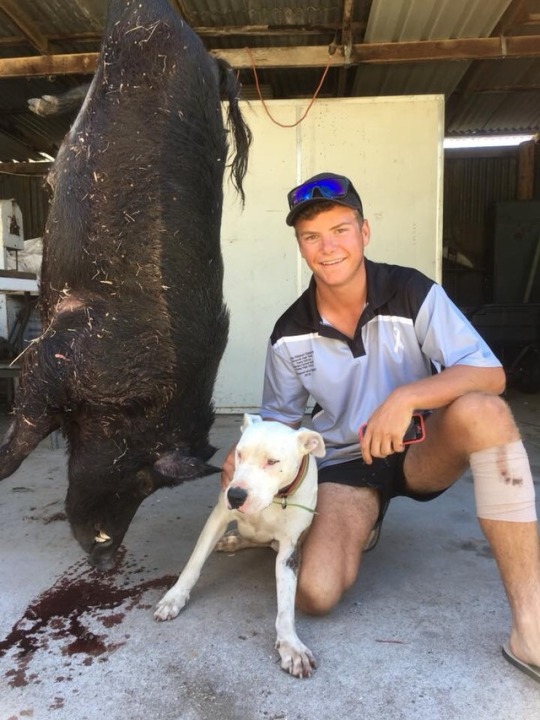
333	546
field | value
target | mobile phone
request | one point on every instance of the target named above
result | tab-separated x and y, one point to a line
415	433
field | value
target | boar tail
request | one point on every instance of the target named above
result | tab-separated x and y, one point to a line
230	90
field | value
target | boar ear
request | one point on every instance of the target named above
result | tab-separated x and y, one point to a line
311	442
206	451
250	420
175	467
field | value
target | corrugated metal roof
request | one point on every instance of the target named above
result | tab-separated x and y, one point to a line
409	79
407	20
497	113
483	96
58	17
504	97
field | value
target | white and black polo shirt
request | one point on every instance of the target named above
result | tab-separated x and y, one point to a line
410	329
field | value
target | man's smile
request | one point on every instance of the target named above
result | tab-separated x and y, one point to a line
336	261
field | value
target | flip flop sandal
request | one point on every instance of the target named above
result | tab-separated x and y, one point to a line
533	671
373	538
375	534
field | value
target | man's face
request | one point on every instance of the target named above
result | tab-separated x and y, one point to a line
332	244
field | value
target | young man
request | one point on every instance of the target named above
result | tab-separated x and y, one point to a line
373	344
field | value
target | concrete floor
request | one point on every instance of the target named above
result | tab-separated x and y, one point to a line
418	637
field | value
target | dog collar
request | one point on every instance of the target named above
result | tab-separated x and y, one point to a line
282	497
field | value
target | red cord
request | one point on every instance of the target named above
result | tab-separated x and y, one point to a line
283	125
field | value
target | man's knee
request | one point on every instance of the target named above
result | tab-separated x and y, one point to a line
318	595
315	600
481	420
473	404
332	548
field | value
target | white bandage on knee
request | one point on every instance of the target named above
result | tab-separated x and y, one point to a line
503	484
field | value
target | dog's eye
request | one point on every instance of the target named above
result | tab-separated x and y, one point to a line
270	461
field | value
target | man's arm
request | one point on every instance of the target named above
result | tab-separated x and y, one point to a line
447	338
386	427
440	390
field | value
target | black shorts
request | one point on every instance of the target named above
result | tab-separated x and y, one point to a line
384	475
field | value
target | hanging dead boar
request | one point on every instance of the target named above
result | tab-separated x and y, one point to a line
134	323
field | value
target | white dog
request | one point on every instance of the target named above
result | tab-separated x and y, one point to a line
272	497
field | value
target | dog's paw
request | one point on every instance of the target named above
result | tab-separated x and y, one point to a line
232	541
170	605
228	542
296	658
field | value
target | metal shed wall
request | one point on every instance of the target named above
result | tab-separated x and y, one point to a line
472	188
32	197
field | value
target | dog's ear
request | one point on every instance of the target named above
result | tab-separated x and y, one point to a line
250	420
311	442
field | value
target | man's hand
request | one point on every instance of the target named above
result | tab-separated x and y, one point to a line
384	432
388	424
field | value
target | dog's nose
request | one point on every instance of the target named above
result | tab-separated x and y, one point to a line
236	497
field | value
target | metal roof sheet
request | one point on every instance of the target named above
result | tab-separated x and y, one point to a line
483	95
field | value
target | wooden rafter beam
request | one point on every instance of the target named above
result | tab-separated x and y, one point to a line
26	27
25	168
347	43
247	31
517	13
346	25
77	64
491	48
275	31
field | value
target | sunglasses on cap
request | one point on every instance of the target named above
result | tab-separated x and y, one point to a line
330	188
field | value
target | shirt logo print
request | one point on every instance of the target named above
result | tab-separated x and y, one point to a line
304	363
398	344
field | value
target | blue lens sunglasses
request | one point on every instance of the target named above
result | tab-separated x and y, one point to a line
329	188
